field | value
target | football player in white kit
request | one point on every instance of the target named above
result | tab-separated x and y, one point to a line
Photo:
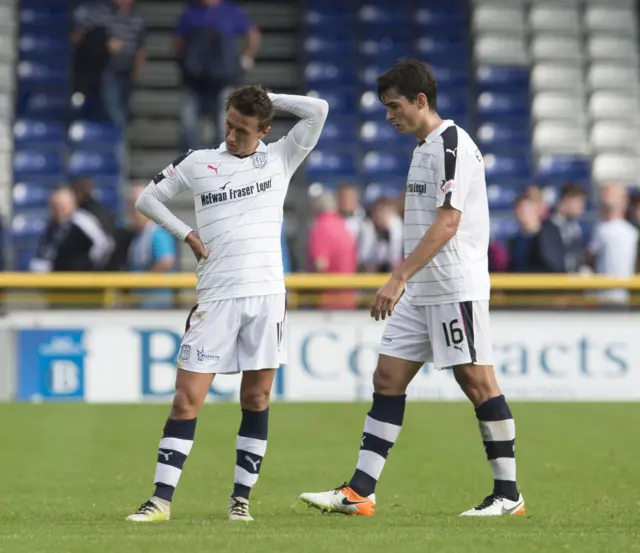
443	315
238	323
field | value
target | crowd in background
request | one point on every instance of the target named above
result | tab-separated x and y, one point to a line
346	236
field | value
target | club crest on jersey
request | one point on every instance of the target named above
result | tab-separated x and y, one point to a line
259	160
424	160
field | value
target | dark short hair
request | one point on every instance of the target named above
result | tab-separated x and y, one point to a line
252	101
409	78
572	190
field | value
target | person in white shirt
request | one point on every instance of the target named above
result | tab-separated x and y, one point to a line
238	324
443	315
614	245
380	248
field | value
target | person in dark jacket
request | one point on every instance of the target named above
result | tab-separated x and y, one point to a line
82	188
559	247
74	240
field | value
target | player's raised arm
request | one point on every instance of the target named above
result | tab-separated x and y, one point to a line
305	134
164	186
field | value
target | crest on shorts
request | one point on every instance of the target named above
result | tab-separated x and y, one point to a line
185	352
259	160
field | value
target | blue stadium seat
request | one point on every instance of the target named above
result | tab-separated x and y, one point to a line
32	163
52	19
369	104
52	77
341	101
503	227
442	19
93	163
492	104
29	225
324	164
453	101
108	196
505	167
504	79
323	48
33	133
443	51
377	164
502	137
450	76
89	134
388	189
331	23
381	134
563	168
34	47
338	132
43	105
383	14
26	195
23	255
502	197
318	73
383	50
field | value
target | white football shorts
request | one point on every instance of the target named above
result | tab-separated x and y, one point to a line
240	334
447	335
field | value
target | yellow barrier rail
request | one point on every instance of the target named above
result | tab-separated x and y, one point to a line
300	281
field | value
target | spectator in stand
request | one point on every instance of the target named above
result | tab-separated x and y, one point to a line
74	240
153	249
110	50
536	195
82	188
498	257
614	245
332	249
350	209
520	245
205	42
381	246
559	247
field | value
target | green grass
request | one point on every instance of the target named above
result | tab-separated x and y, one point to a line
71	473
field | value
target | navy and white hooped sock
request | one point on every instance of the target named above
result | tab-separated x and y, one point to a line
251	446
498	431
175	446
381	429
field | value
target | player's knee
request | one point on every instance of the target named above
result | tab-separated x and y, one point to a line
384	383
254	400
185	405
477	382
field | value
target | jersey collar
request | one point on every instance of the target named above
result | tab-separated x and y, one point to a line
435	133
262	147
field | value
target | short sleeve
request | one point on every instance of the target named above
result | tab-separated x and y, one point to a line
163	245
455	172
173	179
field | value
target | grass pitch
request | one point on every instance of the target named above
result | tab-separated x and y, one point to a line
71	473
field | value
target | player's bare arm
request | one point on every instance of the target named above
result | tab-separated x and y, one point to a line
443	229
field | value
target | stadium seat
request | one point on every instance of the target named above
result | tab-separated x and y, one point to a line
383	49
341	101
29	225
503	79
53	19
29	163
43	105
499	17
617	166
615	136
93	163
385	19
382	133
558	137
441	19
549	18
369	104
454	100
494	104
35	47
612	48
500	49
376	164
339	132
504	138
502	197
607	76
318	73
501	228
375	191
323	48
33	133
558	105
505	167
613	105
32	74
89	134
563	168
329	22
619	21
552	76
108	196
328	164
436	49
27	196
557	49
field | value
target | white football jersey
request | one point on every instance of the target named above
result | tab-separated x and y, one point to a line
448	168
238	203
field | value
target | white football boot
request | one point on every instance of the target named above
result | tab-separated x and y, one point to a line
496	505
154	510
239	509
341	500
